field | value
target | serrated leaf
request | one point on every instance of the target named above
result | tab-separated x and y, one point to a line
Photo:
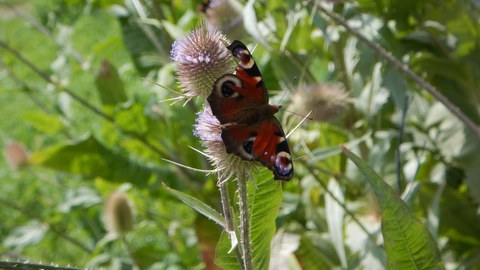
264	204
223	257
408	243
197	205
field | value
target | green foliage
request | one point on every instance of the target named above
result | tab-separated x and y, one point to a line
86	90
263	203
408	244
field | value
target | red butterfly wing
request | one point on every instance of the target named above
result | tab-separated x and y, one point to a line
240	103
247	70
235	98
264	142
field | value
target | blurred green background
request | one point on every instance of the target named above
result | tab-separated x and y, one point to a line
81	91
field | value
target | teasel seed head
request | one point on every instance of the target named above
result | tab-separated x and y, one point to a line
202	58
326	101
119	214
209	130
226	16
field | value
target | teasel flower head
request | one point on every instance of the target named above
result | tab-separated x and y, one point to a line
16	155
119	214
202	58
326	101
209	130
224	15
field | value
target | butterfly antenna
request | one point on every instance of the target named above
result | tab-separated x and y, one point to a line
290	86
301	115
298	125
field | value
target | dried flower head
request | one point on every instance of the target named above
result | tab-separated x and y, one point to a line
226	16
326	101
202	58
119	215
16	155
209	130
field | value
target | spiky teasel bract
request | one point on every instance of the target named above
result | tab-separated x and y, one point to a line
209	130
202	58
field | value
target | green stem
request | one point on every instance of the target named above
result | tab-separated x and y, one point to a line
227	211
27	265
228	214
129	252
244	222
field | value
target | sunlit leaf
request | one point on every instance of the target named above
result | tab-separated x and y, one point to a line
26	235
334	214
49	124
198	205
408	243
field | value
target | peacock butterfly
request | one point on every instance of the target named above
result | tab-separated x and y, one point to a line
249	128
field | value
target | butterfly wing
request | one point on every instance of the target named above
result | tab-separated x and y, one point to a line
264	142
235	97
249	129
247	70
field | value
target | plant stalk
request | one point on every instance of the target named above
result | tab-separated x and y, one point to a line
244	222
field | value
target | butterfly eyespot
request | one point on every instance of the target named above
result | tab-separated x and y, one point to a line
225	86
283	163
248	146
227	90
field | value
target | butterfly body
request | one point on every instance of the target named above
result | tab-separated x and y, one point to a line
249	128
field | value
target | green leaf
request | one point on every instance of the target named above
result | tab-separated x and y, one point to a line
49	124
197	205
408	243
29	234
334	214
456	218
109	85
90	158
264	204
311	257
396	85
325	152
131	118
225	260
